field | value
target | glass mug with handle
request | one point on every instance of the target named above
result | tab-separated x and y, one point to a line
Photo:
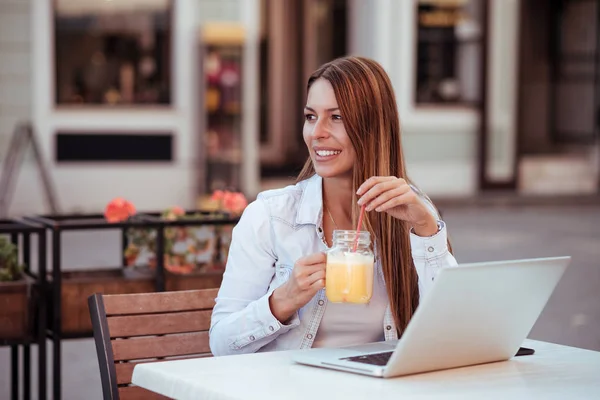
348	273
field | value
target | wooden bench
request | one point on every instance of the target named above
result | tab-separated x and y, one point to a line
134	328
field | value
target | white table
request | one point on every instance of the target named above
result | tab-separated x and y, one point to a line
554	372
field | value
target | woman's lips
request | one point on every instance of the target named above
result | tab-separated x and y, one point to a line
326	154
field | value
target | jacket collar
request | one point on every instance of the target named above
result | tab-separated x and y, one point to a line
310	210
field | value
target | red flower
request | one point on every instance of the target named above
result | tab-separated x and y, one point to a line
172	213
217	195
119	210
178	210
234	202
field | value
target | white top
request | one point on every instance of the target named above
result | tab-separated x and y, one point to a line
276	230
346	324
553	372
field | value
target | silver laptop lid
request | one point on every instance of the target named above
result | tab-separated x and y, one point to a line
476	313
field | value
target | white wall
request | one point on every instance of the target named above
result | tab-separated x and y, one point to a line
439	144
15	68
25	92
15	41
87	187
250	10
361	23
221	10
502	90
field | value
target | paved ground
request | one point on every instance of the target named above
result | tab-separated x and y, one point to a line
572	316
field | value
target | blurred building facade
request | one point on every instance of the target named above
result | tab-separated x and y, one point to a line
492	94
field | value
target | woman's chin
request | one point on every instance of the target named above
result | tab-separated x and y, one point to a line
333	172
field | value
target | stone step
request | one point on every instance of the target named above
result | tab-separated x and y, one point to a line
558	174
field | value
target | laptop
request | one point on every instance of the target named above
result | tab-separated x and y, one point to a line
474	314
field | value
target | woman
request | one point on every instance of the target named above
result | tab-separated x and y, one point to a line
272	295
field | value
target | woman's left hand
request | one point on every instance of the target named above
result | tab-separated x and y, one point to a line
395	196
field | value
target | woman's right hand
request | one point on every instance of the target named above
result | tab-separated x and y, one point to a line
307	278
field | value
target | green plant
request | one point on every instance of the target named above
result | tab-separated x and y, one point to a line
185	247
10	269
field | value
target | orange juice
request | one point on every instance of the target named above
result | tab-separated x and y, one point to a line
349	277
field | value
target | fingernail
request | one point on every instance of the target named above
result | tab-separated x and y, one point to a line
359	202
369	208
378	209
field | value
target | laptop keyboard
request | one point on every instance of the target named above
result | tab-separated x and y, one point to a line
382	359
373	359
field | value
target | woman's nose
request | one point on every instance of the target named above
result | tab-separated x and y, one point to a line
320	129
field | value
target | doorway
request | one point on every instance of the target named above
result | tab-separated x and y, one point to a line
296	37
559	97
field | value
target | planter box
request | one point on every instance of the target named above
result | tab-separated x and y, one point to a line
15	309
77	286
193	281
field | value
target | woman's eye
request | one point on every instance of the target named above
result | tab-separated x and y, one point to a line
309	117
336	117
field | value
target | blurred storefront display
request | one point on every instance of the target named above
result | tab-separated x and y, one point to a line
221	54
113	54
496	94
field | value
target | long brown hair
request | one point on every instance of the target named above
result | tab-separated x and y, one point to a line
370	115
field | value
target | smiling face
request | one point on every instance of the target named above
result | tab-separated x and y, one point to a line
330	149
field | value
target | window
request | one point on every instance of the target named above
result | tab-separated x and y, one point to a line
449	51
222	51
112	52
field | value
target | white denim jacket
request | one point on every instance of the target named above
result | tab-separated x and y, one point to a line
277	229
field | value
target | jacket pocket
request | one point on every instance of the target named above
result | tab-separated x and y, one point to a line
283	272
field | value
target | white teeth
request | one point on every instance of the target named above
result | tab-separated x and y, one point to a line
325	153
